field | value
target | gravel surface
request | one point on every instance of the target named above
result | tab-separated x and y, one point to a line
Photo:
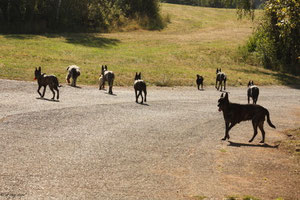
91	145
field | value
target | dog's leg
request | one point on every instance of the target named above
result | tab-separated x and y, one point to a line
51	88
136	96
226	131
110	83
254	129
224	84
261	128
229	128
216	84
44	91
75	80
39	90
145	93
248	99
57	96
140	93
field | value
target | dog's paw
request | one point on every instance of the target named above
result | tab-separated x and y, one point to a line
224	138
250	140
262	142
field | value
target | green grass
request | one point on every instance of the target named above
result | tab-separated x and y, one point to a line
198	40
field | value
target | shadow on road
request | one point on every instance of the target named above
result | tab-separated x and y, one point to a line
42	98
235	144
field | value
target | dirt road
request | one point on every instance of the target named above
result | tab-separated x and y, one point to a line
91	145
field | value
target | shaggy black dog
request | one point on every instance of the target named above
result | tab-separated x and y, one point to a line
139	86
199	81
252	92
73	72
220	79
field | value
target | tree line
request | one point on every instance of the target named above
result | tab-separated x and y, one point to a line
38	16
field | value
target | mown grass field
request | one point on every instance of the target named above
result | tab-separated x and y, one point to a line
198	40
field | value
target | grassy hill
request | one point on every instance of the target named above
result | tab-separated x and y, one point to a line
198	40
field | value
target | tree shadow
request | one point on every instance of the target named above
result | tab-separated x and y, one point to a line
84	39
90	40
235	144
289	80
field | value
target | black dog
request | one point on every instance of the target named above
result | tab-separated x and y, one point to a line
235	113
221	78
199	81
108	76
74	73
139	86
253	92
44	80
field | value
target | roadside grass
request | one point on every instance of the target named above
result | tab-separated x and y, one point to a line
292	143
247	197
197	41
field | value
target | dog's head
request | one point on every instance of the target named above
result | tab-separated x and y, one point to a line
223	102
37	73
250	83
138	76
199	77
218	70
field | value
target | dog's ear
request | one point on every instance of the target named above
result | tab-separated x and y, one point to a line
252	82
40	69
222	95
226	96
220	70
140	75
105	67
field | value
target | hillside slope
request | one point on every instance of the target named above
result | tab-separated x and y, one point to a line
198	40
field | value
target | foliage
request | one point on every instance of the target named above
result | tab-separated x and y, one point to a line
36	16
276	39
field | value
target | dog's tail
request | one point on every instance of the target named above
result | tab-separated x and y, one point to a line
56	82
268	119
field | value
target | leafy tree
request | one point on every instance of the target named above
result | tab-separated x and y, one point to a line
276	39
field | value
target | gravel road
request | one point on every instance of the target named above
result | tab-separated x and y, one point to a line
91	145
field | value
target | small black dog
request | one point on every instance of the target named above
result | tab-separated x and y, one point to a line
253	92
199	81
74	73
44	80
221	78
139	86
108	76
235	113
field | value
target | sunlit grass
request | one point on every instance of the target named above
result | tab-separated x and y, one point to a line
197	41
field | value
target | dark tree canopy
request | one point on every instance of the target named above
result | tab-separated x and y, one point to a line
35	16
